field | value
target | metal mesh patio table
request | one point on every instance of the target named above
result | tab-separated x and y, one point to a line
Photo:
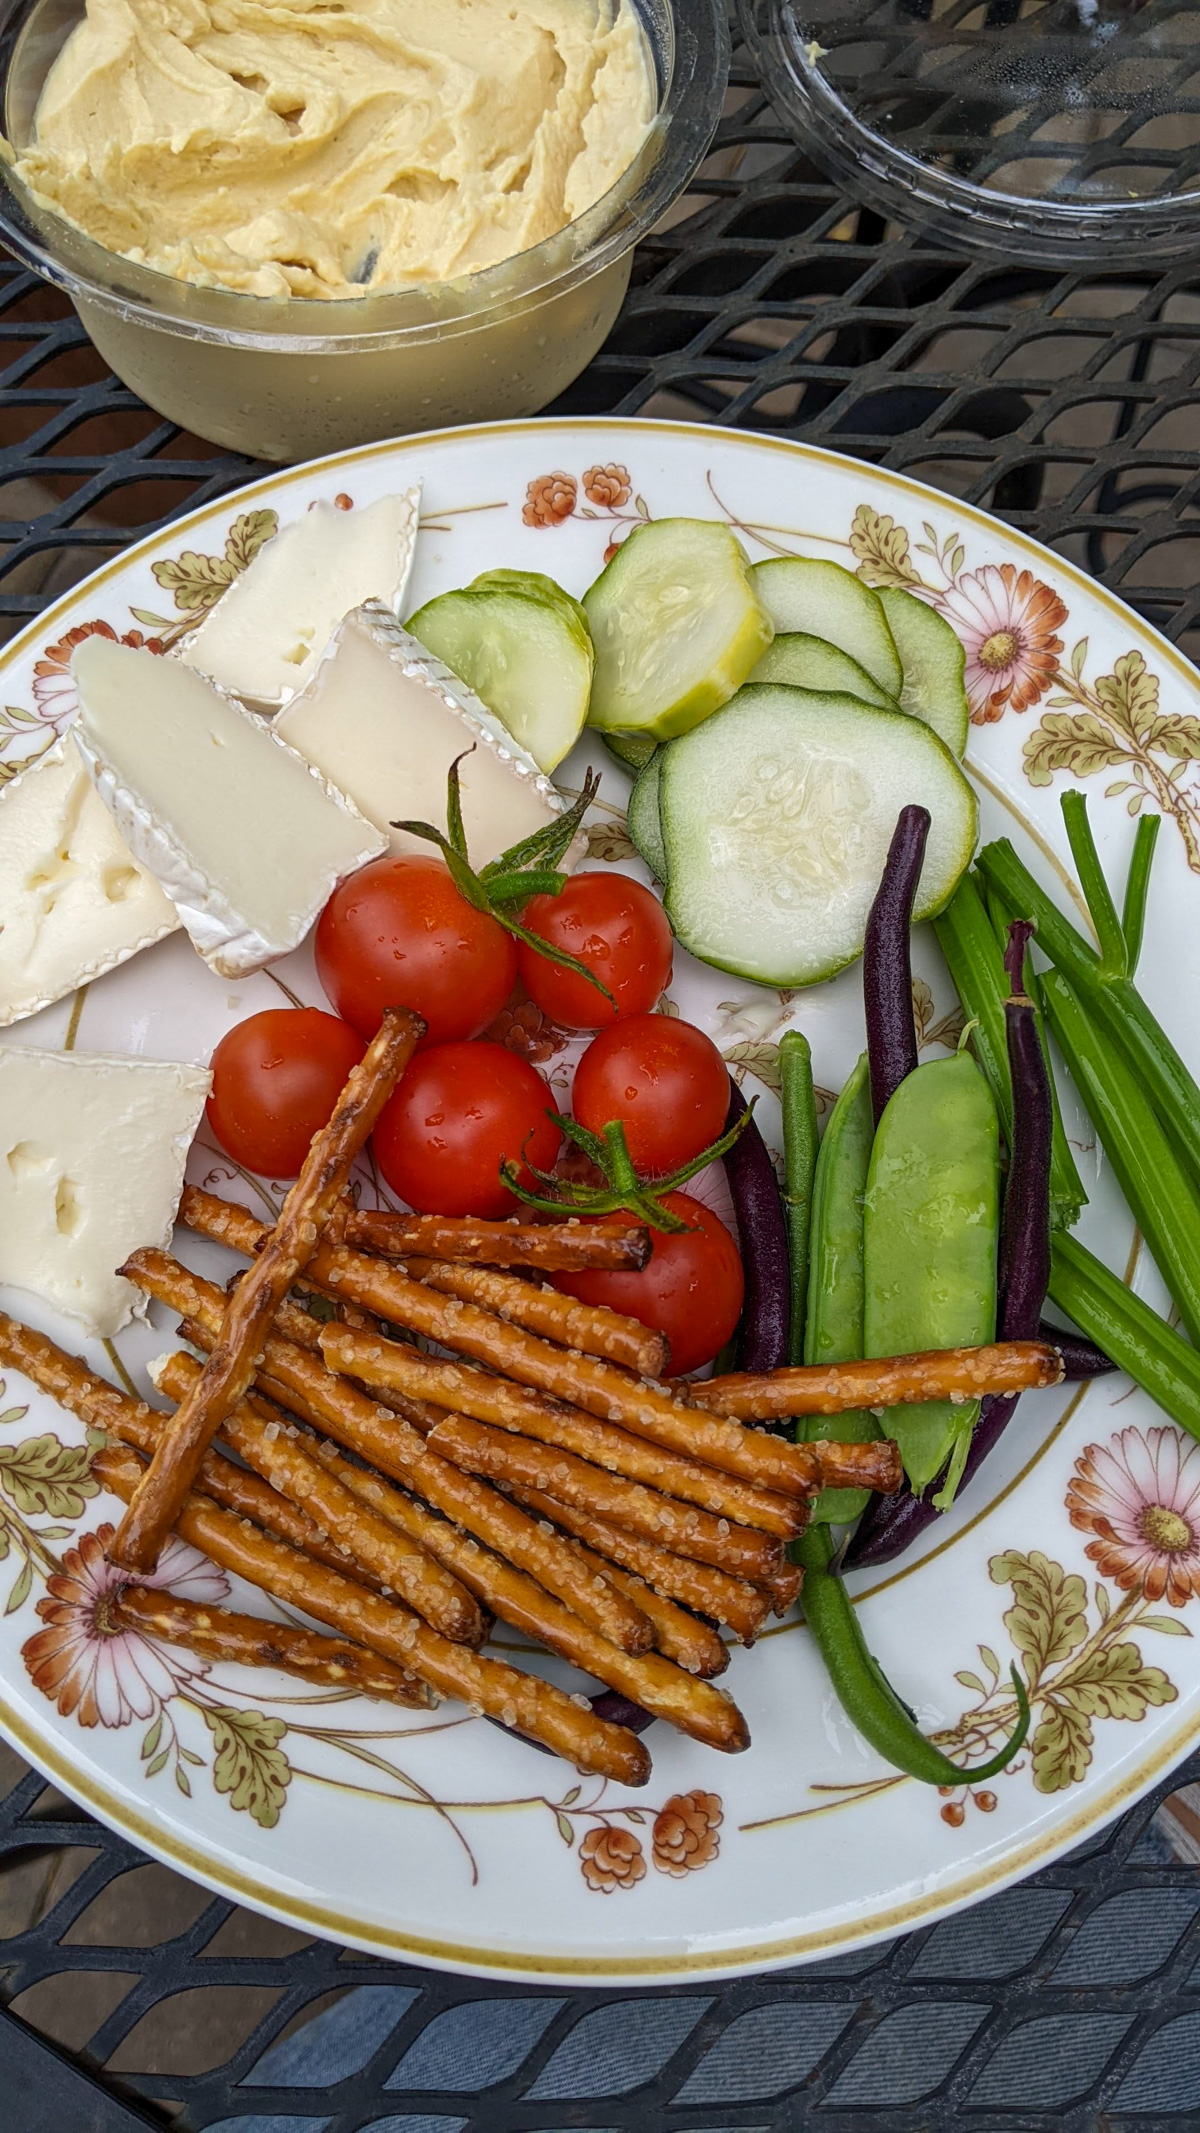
1067	402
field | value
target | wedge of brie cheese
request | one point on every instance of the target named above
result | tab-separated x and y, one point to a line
242	835
265	635
384	720
73	900
92	1153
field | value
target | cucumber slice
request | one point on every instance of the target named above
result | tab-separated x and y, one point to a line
826	601
677	628
535	585
645	826
803	662
526	656
777	815
632	750
933	662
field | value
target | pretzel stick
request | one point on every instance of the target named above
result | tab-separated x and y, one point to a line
516	1700
301	1382
518	1600
273	1447
593	1328
290	1246
739	1606
784	1588
470	1391
490	1687
646	1410
677	1634
101	1406
653	1682
481	1450
218	1633
482	1572
555	1247
893	1381
534	1305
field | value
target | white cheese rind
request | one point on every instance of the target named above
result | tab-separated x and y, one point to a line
265	635
384	720
243	836
92	1155
74	901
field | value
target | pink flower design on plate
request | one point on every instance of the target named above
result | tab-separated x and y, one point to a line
54	690
1140	1495
1006	619
84	1662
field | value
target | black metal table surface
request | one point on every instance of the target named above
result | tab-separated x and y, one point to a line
1069	403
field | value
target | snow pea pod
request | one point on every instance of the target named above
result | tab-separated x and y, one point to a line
833	1330
863	1690
930	1234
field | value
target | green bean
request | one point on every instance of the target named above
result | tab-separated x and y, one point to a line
833	1332
1150	1174
1137	1339
975	960
930	1233
863	1690
799	1164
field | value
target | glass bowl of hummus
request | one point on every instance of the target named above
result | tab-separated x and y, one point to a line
294	226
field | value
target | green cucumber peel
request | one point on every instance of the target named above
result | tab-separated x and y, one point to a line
523	646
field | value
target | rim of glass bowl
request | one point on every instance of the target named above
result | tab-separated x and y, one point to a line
972	218
690	48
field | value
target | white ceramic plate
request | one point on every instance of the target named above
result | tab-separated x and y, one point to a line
433	1836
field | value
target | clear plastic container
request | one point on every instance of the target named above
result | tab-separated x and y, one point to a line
291	378
1057	130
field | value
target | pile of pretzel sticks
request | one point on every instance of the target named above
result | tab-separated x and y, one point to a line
411	1441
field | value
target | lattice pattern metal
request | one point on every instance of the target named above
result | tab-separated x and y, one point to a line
1067	2003
1067	403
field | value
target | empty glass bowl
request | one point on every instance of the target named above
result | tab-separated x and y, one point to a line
1059	130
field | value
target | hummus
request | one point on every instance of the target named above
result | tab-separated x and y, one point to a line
317	149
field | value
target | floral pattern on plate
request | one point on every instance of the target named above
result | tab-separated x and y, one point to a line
1085	1553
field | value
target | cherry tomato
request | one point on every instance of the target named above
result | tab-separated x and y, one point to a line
691	1290
459	1110
398	934
618	929
664	1080
276	1079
